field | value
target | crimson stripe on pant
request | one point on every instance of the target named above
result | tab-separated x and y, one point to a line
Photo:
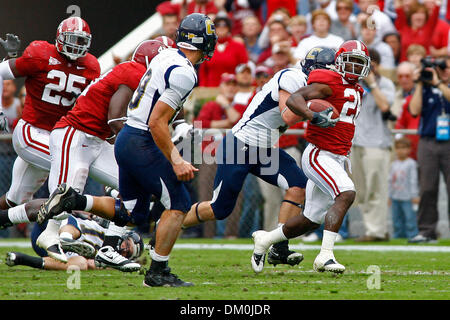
319	169
65	155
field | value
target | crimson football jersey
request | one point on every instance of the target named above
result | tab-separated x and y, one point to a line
90	113
346	98
52	82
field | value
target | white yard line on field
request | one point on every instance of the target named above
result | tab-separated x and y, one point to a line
212	246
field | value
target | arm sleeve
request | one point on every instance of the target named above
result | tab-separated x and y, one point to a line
178	86
5	71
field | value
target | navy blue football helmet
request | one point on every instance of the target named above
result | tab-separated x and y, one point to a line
197	31
318	58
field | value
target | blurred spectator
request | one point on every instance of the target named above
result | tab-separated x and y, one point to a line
228	54
407	121
184	7
416	26
371	152
278	33
329	6
344	25
281	57
415	53
282	15
321	23
393	40
262	76
431	100
251	28
370	8
244	78
439	42
297	28
12	107
170	24
239	10
289	5
405	81
403	191
219	114
368	36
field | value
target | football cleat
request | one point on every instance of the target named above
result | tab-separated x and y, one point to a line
164	278
80	247
108	257
283	256
62	199
50	243
327	263
258	262
259	250
11	258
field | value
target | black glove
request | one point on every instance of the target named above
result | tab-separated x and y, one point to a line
3	122
11	45
323	118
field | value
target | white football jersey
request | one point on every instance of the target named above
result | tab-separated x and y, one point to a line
261	123
91	231
170	78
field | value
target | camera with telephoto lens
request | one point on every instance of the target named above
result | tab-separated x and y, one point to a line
429	62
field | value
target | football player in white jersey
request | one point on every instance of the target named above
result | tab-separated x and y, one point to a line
250	148
149	164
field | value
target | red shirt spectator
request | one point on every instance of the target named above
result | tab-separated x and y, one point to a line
290	5
199	6
407	121
413	29
228	54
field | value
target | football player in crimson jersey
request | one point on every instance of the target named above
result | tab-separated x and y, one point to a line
55	74
79	140
329	190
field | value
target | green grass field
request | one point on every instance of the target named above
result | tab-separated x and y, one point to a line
225	274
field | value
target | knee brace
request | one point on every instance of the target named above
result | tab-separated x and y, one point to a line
121	215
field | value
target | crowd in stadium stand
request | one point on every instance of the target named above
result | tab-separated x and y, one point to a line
258	38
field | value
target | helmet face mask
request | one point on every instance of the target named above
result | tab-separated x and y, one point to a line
353	61
73	38
131	245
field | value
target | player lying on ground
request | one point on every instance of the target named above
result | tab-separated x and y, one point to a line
80	239
329	191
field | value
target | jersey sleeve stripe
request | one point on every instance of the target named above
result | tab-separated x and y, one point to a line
167	74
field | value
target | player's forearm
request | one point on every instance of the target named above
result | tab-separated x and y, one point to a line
415	105
297	104
161	136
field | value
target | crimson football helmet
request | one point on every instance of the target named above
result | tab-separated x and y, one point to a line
146	51
73	38
353	61
167	41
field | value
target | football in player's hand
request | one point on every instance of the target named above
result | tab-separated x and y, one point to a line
318	105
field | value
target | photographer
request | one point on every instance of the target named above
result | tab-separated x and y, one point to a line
431	100
371	151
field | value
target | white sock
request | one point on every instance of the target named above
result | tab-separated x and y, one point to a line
328	239
276	235
157	257
66	235
53	227
18	214
89	203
